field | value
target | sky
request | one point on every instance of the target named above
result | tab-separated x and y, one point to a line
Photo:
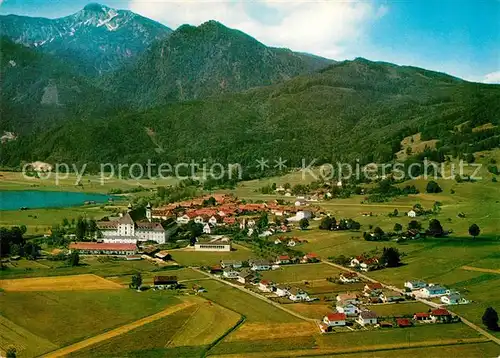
458	37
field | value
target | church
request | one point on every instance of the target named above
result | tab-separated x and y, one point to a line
127	231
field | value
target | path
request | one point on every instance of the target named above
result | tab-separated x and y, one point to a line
117	331
479	269
428	303
260	297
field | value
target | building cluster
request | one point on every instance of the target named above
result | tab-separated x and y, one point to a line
446	296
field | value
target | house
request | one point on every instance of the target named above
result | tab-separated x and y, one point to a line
230	273
301	214
282	291
347	308
199	220
310	257
298	295
388	297
440	315
98	248
229	220
184	219
207	229
348	298
324	327
300	202
412	214
282	259
163	255
453	299
231	263
213	220
422	316
334	319
373	288
367	317
260	265
246	277
216	270
265	286
349	277
403	322
364	263
433	291
165	282
415	285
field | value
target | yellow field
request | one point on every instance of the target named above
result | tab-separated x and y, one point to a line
59	283
479	269
256	331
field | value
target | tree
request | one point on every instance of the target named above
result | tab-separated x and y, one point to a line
263	222
287	186
378	231
327	223
435	227
74	258
92	226
65	222
490	319
433	187
395	212
398	227
414	225
11	352
15	250
136	281
390	257
474	230
304	223
23	229
81	228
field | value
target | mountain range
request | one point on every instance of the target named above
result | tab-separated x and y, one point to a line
216	93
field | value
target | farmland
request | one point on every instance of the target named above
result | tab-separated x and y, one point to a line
64	283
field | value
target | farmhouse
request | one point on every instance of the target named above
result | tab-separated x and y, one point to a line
334	319
126	230
422	316
164	282
433	291
265	286
348	298
415	285
412	214
230	273
246	276
373	288
260	265
282	259
163	255
367	317
282	291
347	308
440	315
231	263
388	297
184	219
453	299
310	257
298	295
403	322
349	277
96	248
216	244
364	263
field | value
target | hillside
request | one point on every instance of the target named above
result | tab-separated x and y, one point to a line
354	109
40	91
211	59
96	39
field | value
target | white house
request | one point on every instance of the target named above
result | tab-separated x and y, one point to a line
334	319
230	273
412	214
216	244
184	219
348	298
282	259
212	220
282	291
207	229
415	285
298	295
453	299
231	263
245	277
199	219
260	266
349	277
265	286
347	308
367	317
433	291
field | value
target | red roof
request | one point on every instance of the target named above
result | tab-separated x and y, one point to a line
440	312
336	316
375	286
284	257
421	315
403	322
102	246
264	282
349	274
312	255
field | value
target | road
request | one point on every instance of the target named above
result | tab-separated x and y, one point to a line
259	296
116	332
428	303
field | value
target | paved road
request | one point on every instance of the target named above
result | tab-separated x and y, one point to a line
259	296
117	331
429	303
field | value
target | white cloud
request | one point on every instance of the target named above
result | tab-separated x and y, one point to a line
493	77
325	27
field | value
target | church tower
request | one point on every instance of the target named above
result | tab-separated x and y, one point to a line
148	212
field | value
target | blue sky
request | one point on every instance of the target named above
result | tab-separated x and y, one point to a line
455	36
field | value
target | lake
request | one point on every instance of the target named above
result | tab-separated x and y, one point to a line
33	199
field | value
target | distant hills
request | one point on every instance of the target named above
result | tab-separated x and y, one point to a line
215	93
95	40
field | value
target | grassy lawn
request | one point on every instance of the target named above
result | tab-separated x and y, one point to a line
398	309
198	258
184	333
67	317
254	309
302	272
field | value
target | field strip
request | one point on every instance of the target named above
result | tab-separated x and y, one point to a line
479	269
60	283
362	349
117	331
